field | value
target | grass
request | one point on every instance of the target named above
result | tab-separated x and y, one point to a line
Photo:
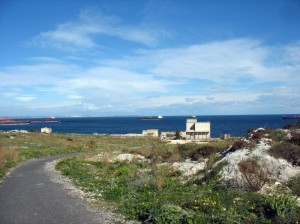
149	191
287	151
8	159
18	147
154	194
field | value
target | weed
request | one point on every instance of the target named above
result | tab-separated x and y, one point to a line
295	138
238	144
294	185
287	151
8	158
196	151
278	136
254	176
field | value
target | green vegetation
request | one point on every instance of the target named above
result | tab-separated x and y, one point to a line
16	147
152	191
155	194
287	151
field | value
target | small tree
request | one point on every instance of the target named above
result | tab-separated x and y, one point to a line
177	135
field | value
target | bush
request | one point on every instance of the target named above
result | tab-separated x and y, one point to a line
196	152
294	185
278	135
239	144
292	126
254	176
295	138
287	151
288	126
274	208
256	136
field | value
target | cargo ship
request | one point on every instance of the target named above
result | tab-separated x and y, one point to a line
51	120
44	121
291	117
8	121
151	118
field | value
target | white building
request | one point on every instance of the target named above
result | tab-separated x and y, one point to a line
151	132
46	130
197	130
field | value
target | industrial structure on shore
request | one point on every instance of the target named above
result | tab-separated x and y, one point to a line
195	130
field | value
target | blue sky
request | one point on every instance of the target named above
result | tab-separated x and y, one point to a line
137	57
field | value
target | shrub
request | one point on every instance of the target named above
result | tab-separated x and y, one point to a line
292	126
196	151
250	130
239	144
91	144
294	185
212	159
177	135
256	136
273	208
69	139
278	135
287	151
254	176
214	174
174	214
285	208
288	126
295	138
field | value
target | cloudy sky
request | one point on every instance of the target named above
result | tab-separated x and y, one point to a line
149	57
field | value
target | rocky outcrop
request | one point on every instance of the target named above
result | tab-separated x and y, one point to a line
276	170
127	157
115	157
189	168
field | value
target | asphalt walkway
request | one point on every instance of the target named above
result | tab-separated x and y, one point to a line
28	195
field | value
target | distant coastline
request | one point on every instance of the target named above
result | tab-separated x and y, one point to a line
235	125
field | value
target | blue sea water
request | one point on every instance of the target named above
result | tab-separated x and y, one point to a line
236	125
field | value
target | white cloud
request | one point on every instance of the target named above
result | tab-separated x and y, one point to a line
185	100
74	97
10	94
25	98
81	34
115	81
229	74
89	106
37	74
220	61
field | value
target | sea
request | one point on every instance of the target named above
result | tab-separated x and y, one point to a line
235	125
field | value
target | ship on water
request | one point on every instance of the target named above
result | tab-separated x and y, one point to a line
8	121
291	117
151	117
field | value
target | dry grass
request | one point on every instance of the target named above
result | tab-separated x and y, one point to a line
287	151
254	175
9	157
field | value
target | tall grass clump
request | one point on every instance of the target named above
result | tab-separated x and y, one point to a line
287	151
253	174
197	151
154	194
8	159
294	185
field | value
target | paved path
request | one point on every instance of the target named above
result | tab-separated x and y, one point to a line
29	195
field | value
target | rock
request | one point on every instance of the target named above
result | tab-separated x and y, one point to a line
278	170
128	158
113	157
189	168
